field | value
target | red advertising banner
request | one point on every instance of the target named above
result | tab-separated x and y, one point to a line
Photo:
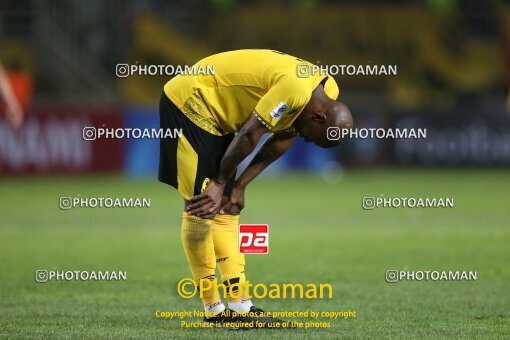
51	141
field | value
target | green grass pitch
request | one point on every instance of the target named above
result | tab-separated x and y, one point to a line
318	234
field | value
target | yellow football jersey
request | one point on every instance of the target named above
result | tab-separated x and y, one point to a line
269	84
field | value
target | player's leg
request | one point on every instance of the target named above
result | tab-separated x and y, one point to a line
225	227
210	150
230	262
179	163
225	238
198	244
232	267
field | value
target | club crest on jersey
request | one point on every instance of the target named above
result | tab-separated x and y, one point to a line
204	184
280	110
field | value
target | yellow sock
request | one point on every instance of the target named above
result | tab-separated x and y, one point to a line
230	262
197	240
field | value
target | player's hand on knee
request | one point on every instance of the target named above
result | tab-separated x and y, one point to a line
208	203
235	203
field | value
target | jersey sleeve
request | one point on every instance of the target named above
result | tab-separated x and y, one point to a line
281	105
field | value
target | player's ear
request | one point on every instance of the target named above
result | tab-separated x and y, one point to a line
318	117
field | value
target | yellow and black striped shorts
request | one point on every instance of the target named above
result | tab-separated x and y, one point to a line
189	162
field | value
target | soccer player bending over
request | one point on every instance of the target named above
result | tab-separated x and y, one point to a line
252	92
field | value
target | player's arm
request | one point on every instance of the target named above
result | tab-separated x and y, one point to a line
273	148
207	204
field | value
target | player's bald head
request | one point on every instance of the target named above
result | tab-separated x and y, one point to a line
322	119
338	115
323	122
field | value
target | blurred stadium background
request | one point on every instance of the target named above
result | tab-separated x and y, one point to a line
453	61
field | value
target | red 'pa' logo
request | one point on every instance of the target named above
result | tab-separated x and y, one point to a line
253	238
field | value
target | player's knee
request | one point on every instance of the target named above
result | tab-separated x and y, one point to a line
195	230
194	239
